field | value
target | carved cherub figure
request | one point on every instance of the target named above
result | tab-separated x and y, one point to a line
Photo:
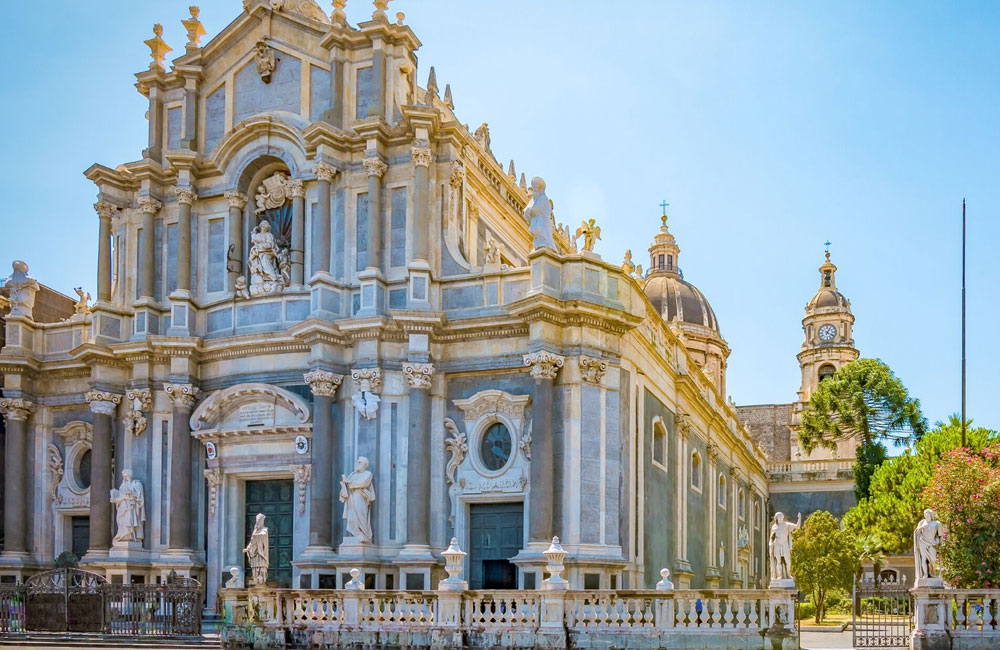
591	233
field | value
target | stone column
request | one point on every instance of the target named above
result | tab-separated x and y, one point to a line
234	256
421	203
16	412
185	199
544	368
147	254
297	253
179	526
105	211
321	225
376	169
325	452
418	455
102	405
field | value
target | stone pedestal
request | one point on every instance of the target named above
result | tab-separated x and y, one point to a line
326	301
933	609
181	314
372	292
782	583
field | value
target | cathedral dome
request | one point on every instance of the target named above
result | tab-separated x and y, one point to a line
828	296
676	299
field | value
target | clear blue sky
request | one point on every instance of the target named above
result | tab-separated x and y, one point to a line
768	126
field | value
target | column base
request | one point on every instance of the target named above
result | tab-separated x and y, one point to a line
184	562
682	574
95	555
181	314
326	302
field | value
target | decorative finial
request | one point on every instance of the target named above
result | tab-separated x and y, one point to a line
447	97
400	17
432	83
510	170
195	30
523	183
380	7
158	48
827	244
339	17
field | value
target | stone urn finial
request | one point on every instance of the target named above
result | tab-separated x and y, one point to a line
454	557
555	555
355	583
664	584
22	288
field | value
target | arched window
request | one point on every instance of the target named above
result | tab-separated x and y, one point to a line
670	262
741	504
756	515
660	261
827	279
722	491
826	371
696	471
659	442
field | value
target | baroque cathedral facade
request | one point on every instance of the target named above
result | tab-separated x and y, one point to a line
317	298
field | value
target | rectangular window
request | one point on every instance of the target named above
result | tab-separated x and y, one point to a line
591	580
659	443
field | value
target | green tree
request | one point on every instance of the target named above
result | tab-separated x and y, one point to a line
896	502
864	400
824	558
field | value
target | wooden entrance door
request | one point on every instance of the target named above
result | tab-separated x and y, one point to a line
496	533
274	499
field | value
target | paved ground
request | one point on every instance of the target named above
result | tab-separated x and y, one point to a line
826	640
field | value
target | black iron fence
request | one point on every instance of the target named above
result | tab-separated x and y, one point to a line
72	600
883	613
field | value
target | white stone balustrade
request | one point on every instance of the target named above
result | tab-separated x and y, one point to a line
956	619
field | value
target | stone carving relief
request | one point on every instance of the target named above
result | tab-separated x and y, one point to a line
269	263
77	437
592	370
56	472
491	254
538	214
457	447
307	8
130	510
323	382
367	383
357	493
302	474
418	375
214	477
246	406
263	56
22	288
590	232
544	365
525	445
81	308
138	400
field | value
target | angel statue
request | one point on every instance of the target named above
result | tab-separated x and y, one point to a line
81	307
591	233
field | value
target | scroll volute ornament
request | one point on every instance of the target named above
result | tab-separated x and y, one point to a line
323	382
544	365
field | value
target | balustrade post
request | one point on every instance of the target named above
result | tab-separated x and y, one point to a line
932	622
665	601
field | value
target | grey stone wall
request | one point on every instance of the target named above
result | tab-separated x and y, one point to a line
253	96
215	118
768	423
659	491
792	503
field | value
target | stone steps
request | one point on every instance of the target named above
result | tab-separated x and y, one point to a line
81	640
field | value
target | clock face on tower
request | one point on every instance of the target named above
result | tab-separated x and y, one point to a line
827	333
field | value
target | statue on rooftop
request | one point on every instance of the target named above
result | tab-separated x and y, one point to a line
538	214
591	233
22	288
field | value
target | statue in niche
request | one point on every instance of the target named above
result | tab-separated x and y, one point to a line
22	288
926	538
538	214
257	551
357	492
130	508
591	233
780	546
266	273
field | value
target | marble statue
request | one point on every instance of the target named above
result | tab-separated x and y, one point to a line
743	536
240	287
22	288
131	510
538	214
482	136
926	539
628	267
272	192
780	546
257	551
266	273
81	308
236	581
357	492
491	253
590	231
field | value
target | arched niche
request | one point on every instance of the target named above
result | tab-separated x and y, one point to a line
248	407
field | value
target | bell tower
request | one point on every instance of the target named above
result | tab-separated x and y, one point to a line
829	340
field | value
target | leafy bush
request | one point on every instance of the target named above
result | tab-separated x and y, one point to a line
67	560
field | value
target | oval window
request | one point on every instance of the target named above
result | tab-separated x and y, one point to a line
495	447
83	470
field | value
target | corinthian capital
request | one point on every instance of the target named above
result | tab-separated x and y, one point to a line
544	365
418	375
106	210
375	167
185	195
592	370
421	156
103	402
182	395
236	199
296	188
148	204
324	172
323	382
16	409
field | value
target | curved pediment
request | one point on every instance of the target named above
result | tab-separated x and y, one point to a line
250	405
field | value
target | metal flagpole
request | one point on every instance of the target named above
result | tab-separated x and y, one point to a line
963	322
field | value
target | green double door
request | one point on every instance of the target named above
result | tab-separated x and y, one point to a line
275	500
496	533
